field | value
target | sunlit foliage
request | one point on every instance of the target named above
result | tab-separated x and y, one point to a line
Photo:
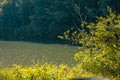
43	72
100	51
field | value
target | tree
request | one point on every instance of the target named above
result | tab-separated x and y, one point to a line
25	11
10	19
50	17
46	19
100	50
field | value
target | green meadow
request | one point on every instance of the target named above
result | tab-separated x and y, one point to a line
27	53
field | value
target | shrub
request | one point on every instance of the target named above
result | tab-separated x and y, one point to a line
43	72
100	51
102	46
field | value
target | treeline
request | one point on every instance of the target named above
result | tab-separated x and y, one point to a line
34	20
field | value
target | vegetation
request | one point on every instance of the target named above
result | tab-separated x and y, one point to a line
100	51
99	56
43	72
26	53
33	20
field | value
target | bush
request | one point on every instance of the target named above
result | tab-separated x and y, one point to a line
101	54
43	72
100	51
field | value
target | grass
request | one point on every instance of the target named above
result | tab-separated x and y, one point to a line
25	53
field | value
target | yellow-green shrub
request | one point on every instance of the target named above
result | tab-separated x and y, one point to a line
43	72
101	54
100	51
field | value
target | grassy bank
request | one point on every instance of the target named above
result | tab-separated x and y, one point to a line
26	53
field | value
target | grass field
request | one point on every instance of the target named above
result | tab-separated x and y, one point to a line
25	53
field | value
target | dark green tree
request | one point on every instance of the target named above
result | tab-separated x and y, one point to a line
10	19
46	19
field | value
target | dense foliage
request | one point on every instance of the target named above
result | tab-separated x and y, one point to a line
43	72
100	51
45	19
99	55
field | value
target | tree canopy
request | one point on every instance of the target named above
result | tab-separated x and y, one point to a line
46	19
